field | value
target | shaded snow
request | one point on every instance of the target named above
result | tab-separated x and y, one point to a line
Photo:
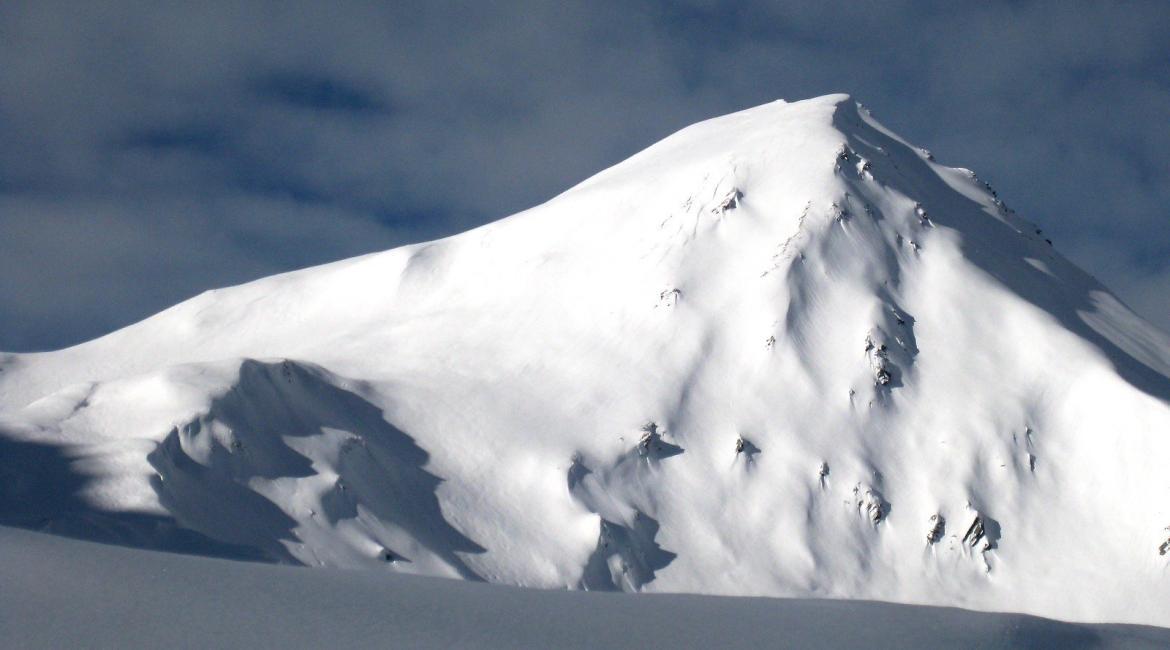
61	593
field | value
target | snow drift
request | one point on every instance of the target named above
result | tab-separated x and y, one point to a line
781	352
61	593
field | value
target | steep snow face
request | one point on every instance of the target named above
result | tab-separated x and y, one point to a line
781	352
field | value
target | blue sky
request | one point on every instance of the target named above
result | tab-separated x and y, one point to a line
151	151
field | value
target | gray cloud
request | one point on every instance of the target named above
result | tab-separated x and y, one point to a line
167	149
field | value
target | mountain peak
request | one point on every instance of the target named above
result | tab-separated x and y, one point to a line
796	129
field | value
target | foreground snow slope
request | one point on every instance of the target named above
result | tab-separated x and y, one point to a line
781	352
64	594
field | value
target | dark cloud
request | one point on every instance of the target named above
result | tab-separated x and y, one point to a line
151	151
197	138
318	93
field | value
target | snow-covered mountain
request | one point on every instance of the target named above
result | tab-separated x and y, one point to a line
781	352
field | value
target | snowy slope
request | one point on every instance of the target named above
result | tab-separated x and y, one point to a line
67	594
781	352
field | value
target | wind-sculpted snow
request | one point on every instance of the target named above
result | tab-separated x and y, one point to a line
281	456
781	352
626	556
